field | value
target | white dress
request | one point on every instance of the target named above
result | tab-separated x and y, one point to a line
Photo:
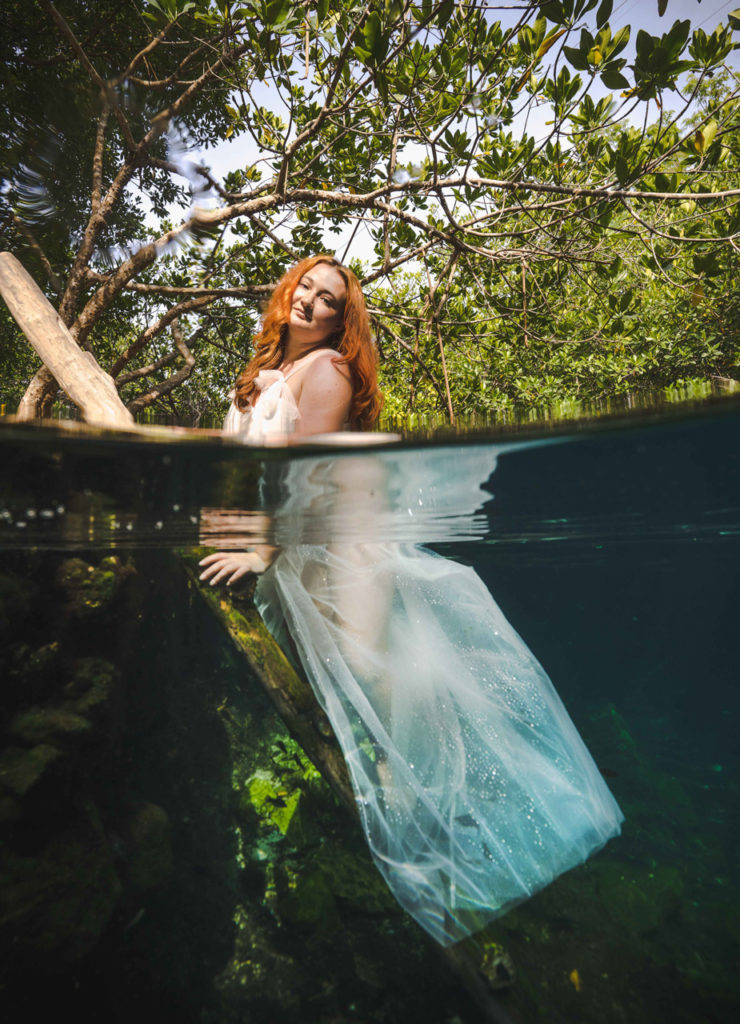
474	787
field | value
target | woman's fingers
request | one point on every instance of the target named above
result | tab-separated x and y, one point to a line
241	571
209	559
230	563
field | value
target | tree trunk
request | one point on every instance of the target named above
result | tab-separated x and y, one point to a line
90	388
39	396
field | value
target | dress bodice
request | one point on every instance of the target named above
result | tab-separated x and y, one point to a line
274	413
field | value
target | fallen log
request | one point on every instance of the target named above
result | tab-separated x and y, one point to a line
289	692
475	962
86	384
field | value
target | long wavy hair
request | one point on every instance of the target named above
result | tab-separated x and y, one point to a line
353	341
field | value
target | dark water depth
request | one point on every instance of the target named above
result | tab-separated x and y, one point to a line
167	850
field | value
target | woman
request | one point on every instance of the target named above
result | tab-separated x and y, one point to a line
313	372
473	786
315	334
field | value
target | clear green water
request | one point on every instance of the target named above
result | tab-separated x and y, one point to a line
167	850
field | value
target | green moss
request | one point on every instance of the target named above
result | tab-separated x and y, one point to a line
271	800
355	879
311	902
91	686
36	662
88	588
636	898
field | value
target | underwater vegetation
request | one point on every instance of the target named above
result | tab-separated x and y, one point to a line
167	847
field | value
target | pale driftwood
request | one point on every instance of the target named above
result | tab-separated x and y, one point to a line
90	388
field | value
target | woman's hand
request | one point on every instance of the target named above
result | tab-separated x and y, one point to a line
231	564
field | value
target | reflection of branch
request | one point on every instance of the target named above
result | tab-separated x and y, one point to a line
176	378
172	168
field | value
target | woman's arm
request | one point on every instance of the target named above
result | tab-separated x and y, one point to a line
324	404
325	398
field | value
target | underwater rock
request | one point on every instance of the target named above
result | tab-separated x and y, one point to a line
289	691
149	849
494	962
268	975
89	588
21	770
10	809
56	902
35	664
638	899
44	725
91	686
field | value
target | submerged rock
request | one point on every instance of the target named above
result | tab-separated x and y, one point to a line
44	725
22	770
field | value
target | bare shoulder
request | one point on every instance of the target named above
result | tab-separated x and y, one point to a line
327	373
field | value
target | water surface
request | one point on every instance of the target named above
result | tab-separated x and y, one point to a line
612	548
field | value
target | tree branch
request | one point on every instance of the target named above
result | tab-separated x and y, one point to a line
175	379
151	332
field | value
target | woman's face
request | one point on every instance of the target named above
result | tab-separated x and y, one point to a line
317	305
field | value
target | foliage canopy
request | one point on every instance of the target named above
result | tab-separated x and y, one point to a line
530	218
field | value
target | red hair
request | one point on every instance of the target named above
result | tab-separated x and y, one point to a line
353	341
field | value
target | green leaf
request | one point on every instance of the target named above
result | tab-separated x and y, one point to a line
662	4
371	32
576	58
445	12
554	11
734	18
645	43
622	169
322	9
276	11
604	12
620	40
706	264
613	80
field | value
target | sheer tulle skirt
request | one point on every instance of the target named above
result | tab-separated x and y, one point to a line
474	788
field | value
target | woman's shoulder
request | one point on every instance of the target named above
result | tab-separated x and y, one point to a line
326	368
